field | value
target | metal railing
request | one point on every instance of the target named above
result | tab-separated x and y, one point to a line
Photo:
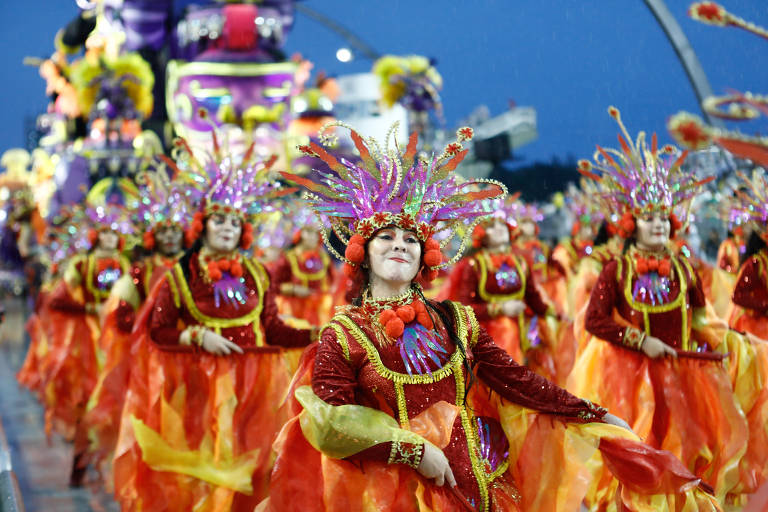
10	495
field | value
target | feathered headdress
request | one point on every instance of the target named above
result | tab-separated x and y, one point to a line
390	187
750	203
692	132
639	179
223	182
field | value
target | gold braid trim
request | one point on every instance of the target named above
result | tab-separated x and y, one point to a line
305	277
217	324
483	261
405	453
341	336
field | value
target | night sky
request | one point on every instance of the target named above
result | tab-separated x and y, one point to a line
568	59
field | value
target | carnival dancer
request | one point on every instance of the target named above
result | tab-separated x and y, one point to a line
730	254
196	431
398	416
537	252
654	358
163	210
498	284
75	357
304	272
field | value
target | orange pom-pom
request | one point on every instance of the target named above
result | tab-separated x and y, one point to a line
431	244
350	270
477	236
675	222
93	237
642	266
627	225
194	229
236	269
213	271
653	264
406	313
429	275
149	240
433	258
665	267
355	252
418	306
357	239
387	315
224	265
394	328
425	320
246	239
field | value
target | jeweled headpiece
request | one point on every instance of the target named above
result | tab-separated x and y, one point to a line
640	179
692	132
389	187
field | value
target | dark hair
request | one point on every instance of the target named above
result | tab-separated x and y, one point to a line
187	256
755	244
629	242
602	235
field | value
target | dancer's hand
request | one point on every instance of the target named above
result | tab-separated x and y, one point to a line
219	345
615	420
654	348
512	307
434	464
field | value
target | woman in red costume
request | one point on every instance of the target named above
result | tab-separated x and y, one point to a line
196	429
655	359
163	210
304	273
537	253
399	415
74	359
498	284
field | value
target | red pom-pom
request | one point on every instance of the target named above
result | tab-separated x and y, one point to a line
246	238
225	265
236	269
433	258
296	238
213	271
430	275
387	315
675	222
357	239
418	306
194	229
350	270
406	313
627	225
355	252
653	264
425	320
93	237
149	240
394	328
431	244
477	236
665	267
642	266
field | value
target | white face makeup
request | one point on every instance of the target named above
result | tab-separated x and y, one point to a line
310	235
394	256
222	232
652	231
496	234
168	240
527	228
108	240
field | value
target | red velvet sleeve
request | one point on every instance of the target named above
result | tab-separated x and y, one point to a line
277	332
696	297
125	316
751	291
334	381
522	386
165	315
533	298
62	300
466	290
280	272
599	318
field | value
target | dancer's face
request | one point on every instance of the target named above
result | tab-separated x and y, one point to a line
496	234
222	232
394	255
108	240
527	228
168	239
652	231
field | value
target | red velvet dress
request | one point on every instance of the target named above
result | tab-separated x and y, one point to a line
686	406
74	358
196	428
314	270
123	352
504	456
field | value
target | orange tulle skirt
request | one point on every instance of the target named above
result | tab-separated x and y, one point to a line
317	309
196	430
30	373
686	406
551	464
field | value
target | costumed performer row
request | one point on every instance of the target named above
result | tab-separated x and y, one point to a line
197	427
655	358
164	212
74	359
400	401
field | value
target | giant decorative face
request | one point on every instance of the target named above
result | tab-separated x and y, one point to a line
245	101
394	255
108	240
222	232
168	240
496	234
652	231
